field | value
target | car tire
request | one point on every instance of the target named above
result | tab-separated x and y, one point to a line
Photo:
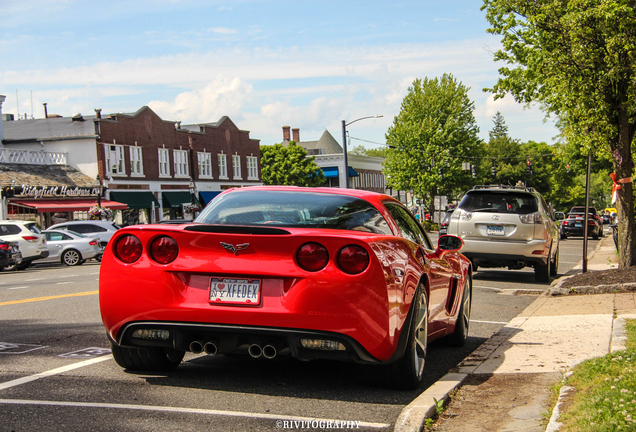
564	236
459	336
407	372
542	271
147	359
23	265
554	267
71	257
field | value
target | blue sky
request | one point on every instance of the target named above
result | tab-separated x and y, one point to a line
265	64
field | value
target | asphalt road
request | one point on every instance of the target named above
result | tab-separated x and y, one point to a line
56	372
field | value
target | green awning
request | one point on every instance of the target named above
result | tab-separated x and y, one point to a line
176	199
135	200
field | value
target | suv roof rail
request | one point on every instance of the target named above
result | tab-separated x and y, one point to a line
523	188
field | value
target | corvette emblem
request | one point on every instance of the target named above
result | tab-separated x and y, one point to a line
235	249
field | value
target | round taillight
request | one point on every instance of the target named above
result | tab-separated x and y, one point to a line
353	259
164	250
128	248
312	257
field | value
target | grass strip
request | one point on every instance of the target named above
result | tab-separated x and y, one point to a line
605	397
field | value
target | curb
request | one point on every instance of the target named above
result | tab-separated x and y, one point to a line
414	415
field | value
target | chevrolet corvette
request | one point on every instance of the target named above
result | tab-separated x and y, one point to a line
269	271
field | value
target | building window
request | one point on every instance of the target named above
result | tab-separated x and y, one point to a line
222	166
252	168
205	165
115	160
164	163
181	163
136	161
236	167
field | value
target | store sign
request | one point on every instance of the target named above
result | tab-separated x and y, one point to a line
56	191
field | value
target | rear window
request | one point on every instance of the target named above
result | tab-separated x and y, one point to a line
9	230
499	202
294	209
33	228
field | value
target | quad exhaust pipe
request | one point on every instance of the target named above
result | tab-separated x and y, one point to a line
196	347
210	348
255	350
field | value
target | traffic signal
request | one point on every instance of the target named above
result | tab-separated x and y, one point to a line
567	167
493	170
529	167
473	168
441	173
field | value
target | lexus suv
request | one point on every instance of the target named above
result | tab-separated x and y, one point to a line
508	226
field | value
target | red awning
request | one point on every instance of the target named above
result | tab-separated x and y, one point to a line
42	206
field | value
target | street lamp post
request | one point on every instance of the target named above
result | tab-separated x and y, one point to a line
344	145
100	189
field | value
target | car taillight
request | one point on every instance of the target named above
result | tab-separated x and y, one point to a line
93	242
6	247
31	239
164	250
312	257
353	259
532	218
128	248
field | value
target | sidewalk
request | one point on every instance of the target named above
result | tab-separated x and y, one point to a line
537	347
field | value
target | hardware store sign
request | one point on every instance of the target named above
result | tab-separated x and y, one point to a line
57	191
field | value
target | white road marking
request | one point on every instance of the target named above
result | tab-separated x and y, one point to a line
21	287
487	322
31	280
186	410
52	372
64	283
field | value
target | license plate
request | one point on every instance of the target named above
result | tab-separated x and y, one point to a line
495	230
235	291
578	224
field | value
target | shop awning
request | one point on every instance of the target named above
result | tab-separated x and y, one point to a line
136	200
332	172
43	206
206	197
176	199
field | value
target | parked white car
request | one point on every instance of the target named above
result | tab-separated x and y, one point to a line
30	240
70	248
103	230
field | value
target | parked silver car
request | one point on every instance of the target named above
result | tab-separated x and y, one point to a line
70	248
508	226
103	230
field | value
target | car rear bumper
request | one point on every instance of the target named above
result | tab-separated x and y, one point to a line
222	339
506	254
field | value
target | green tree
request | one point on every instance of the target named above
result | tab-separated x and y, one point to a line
364	151
289	165
432	135
577	59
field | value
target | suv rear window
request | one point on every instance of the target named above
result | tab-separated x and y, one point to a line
499	202
9	230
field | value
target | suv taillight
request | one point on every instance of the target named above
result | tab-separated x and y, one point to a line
6	247
532	218
31	239
464	215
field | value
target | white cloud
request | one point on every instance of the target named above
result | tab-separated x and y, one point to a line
223	30
222	96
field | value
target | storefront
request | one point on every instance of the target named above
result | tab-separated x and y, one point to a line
141	206
174	202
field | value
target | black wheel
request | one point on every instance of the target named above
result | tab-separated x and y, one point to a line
407	373
554	267
542	271
564	236
71	257
601	232
23	265
147	359
459	336
595	235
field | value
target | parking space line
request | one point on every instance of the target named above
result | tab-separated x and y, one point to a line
487	322
52	372
63	283
282	417
49	298
31	280
20	287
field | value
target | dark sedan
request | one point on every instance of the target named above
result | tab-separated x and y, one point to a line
573	226
9	254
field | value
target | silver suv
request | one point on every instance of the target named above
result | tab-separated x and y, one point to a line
508	226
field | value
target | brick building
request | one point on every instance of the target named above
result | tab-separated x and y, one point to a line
150	169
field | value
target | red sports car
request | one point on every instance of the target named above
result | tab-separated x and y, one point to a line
315	273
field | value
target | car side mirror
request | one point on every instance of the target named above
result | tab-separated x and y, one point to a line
449	243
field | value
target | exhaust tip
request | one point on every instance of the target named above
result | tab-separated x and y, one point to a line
196	347
269	351
255	350
210	348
